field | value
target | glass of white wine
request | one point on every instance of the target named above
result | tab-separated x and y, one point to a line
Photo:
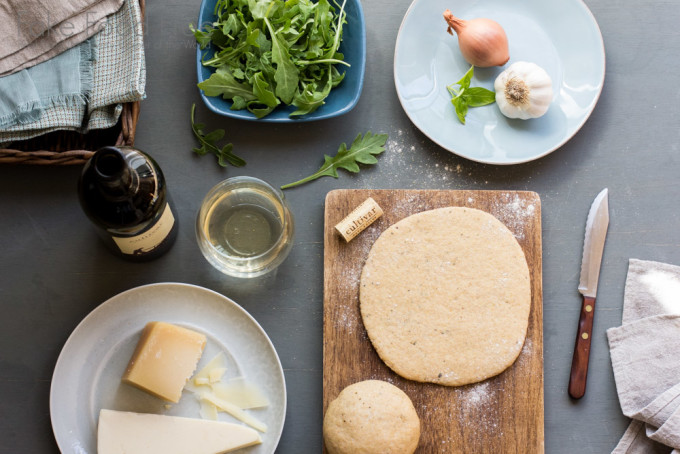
244	227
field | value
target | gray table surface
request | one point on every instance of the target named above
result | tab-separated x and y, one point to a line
54	270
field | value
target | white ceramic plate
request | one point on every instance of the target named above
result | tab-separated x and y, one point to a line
88	371
561	36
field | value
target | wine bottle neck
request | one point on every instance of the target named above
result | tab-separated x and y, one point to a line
115	178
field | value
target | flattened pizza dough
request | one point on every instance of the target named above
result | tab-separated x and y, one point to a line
445	296
371	417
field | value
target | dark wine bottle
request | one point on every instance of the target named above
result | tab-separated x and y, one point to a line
122	190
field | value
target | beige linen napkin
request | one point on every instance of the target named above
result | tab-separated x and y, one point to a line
645	358
119	76
34	31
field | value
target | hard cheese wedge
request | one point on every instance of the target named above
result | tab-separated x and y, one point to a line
122	432
165	357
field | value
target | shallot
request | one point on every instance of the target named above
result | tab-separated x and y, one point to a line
482	41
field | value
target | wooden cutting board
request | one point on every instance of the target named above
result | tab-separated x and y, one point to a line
503	414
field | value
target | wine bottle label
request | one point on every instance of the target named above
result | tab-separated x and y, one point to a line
149	240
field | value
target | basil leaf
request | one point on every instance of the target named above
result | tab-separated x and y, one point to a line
461	108
464	82
468	96
479	96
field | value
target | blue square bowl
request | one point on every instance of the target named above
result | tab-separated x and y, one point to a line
341	98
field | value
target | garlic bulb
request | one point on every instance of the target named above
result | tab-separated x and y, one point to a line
524	91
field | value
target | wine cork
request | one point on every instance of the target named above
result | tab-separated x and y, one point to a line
360	218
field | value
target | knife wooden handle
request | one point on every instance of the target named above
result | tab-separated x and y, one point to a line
579	364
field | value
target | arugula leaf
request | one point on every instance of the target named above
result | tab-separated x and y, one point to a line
467	96
263	92
363	150
308	101
232	26
223	83
202	38
253	34
239	103
286	75
260	8
312	97
338	32
225	156
259	110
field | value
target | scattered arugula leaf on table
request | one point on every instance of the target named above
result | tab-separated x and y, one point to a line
288	49
468	96
363	150
208	142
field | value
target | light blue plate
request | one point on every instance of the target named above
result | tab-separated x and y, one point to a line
341	99
561	36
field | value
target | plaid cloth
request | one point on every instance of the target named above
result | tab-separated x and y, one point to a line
119	72
119	76
63	80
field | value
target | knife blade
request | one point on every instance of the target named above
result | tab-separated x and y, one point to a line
593	249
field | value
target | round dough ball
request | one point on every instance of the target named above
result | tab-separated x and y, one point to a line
445	296
371	417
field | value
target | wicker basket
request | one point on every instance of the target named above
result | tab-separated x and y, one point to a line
69	147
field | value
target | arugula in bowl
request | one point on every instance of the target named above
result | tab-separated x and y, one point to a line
269	53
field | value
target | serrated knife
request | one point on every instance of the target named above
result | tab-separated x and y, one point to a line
593	247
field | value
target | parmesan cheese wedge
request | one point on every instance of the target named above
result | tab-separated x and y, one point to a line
122	432
165	357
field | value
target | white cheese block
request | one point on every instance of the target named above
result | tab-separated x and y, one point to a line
122	432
